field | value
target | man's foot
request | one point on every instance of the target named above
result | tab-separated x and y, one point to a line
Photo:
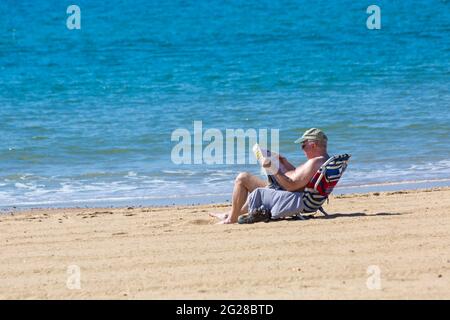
226	221
218	215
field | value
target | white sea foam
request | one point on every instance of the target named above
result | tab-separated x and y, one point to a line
180	172
187	184
131	174
21	185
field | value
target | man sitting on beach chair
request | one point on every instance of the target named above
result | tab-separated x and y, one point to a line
266	204
293	181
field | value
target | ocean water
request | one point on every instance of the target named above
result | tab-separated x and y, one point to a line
86	116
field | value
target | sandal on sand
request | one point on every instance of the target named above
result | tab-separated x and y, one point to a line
259	215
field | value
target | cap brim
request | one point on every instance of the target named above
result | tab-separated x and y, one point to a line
299	140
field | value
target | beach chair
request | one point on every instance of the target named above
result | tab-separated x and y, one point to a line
321	185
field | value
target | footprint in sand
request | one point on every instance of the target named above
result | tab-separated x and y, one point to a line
200	222
119	234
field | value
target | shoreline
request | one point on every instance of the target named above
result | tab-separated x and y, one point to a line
211	199
189	206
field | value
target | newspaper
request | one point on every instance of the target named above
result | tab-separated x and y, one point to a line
264	156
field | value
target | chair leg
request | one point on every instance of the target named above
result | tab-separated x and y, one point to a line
324	212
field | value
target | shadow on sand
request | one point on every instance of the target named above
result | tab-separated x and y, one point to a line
356	214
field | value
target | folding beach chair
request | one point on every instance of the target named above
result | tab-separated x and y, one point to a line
322	184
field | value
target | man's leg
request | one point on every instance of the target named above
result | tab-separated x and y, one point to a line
243	185
279	203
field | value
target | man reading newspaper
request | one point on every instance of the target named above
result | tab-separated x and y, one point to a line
285	183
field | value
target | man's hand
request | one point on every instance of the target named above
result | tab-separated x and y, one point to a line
285	163
271	166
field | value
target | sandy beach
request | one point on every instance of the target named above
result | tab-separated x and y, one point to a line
387	245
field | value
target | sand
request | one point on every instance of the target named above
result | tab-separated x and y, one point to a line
391	245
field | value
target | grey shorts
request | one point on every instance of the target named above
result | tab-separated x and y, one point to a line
279	202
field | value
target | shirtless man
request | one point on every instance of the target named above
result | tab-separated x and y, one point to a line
313	143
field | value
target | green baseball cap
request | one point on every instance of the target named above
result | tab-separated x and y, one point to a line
312	134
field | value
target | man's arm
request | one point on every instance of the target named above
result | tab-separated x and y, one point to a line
299	178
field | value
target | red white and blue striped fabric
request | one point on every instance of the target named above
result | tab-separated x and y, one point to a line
323	183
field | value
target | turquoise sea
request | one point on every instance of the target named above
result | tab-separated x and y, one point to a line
86	116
